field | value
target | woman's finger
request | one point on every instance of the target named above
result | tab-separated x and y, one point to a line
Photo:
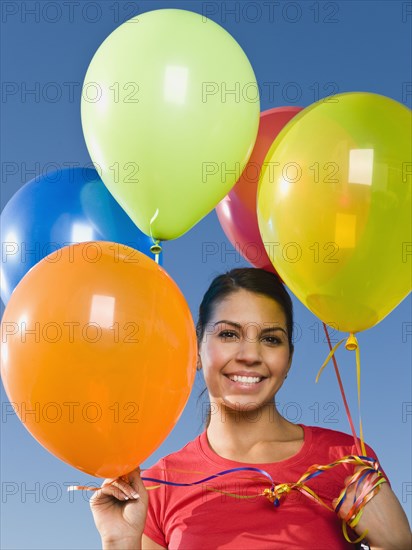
115	490
135	480
127	488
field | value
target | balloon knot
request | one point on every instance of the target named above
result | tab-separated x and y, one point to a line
351	342
274	494
270	494
156	248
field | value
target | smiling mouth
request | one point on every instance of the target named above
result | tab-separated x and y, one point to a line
247	380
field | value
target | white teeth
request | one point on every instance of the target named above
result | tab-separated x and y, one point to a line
246	379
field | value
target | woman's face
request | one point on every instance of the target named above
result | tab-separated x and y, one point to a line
246	337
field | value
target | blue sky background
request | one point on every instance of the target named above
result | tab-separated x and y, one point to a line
308	50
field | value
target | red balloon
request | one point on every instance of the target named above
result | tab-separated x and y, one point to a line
237	212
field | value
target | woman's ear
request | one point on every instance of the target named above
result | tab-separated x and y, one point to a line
290	362
199	363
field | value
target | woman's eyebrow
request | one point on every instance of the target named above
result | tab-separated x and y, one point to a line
237	325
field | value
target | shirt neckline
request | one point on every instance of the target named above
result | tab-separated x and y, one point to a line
211	456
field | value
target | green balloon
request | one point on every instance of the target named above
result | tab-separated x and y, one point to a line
170	113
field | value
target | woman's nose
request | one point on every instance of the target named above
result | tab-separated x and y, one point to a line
248	349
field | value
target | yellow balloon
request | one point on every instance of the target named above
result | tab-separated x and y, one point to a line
334	208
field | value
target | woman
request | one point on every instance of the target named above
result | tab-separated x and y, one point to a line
245	335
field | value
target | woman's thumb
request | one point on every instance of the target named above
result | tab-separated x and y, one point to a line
134	479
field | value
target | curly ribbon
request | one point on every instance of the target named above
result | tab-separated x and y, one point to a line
369	480
368	467
351	345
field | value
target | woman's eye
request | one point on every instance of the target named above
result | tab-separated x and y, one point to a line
226	334
273	339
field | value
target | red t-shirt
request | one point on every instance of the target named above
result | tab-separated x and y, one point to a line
194	518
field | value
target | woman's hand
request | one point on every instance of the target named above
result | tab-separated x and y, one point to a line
383	518
119	511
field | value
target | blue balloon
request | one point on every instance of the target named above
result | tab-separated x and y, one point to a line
60	208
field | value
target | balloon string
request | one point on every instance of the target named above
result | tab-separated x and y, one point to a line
249	468
312	472
156	247
351	344
358	377
368	477
342	391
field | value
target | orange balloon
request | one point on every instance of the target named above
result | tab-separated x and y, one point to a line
98	355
